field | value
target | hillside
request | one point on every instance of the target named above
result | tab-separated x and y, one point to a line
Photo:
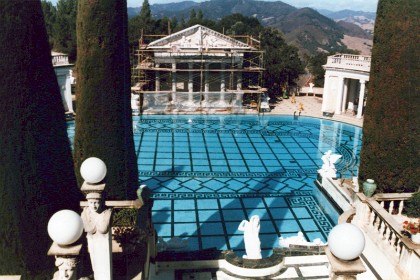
365	20
354	30
306	28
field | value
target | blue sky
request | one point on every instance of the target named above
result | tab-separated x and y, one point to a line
332	5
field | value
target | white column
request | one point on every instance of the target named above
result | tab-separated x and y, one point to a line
361	98
173	83
157	82
326	94
339	98
206	85
190	103
239	79
222	84
190	83
68	92
345	93
206	78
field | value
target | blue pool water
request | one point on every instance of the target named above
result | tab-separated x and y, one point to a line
208	173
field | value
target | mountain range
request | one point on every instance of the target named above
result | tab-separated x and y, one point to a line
310	30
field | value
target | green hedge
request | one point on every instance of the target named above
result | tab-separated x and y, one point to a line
103	121
36	170
390	149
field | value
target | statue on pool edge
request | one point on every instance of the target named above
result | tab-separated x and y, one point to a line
252	242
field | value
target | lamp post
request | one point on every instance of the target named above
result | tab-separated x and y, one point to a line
345	245
65	228
97	219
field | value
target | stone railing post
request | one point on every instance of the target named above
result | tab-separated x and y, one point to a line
97	224
344	270
67	259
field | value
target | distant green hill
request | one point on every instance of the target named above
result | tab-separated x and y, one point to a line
306	28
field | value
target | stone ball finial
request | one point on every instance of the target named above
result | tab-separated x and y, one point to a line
65	227
346	241
93	170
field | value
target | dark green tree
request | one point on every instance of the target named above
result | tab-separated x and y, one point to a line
36	172
282	63
104	126
238	24
146	13
315	67
64	31
142	23
49	12
390	150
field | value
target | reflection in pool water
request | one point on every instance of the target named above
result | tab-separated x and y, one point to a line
208	173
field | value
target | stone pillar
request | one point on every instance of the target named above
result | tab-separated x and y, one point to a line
222	102
339	98
68	96
345	93
97	225
239	79
206	101
173	83
344	270
361	98
157	81
67	259
206	78
326	93
190	84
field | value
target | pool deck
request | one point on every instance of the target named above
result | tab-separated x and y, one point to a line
312	108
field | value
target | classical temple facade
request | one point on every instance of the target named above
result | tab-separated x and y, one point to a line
197	70
346	76
62	68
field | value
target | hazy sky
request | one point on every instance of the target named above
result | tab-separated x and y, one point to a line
332	5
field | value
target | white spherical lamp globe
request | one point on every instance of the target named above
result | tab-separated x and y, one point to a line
65	227
93	170
346	241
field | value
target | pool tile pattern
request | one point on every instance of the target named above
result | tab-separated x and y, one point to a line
208	173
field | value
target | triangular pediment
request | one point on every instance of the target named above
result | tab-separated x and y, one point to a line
198	37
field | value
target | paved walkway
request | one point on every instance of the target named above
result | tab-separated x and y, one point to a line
311	107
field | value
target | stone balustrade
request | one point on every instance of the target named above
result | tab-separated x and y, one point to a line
378	217
350	62
59	59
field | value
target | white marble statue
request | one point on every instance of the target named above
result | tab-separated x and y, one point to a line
265	106
66	268
298	239
135	104
311	87
97	225
328	167
252	242
172	244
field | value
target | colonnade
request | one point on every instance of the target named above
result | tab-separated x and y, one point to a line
344	92
204	87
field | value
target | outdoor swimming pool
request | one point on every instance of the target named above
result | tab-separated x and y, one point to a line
208	173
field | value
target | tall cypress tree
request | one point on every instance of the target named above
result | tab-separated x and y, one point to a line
103	123
390	151
36	171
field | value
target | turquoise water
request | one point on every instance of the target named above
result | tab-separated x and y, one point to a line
208	173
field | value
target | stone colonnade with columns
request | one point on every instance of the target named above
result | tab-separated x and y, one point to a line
196	69
346	77
63	72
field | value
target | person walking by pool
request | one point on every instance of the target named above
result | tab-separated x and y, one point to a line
252	241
